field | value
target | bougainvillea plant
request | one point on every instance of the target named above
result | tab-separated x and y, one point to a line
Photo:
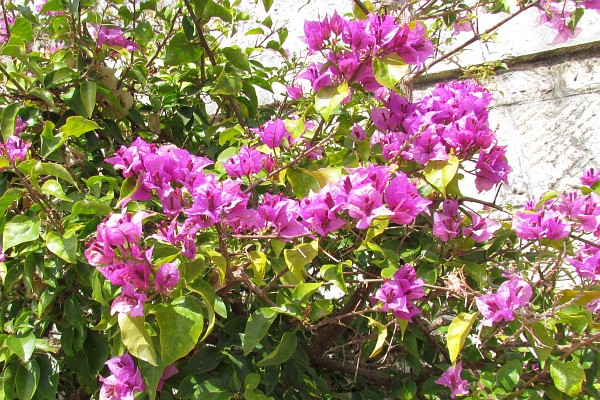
166	235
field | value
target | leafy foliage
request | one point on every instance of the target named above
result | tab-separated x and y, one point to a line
165	235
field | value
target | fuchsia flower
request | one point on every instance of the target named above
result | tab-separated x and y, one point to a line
113	38
451	378
125	379
481	229
166	277
15	147
273	133
247	162
590	177
404	200
446	224
501	306
538	225
283	215
358	133
129	302
399	293
587	263
295	92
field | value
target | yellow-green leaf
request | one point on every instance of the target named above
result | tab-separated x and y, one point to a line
299	256
440	173
567	376
136	339
389	70
381	336
258	261
457	333
328	98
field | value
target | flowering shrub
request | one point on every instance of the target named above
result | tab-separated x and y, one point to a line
320	247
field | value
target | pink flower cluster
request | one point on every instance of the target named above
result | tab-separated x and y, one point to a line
451	379
399	293
452	120
559	15
125	379
15	147
353	46
447	224
501	306
121	257
196	200
113	38
569	213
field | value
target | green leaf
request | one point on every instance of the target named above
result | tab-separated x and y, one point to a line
9	118
72	98
136	339
53	188
457	333
22	29
236	57
220	261
267	4
302	182
359	13
87	91
77	126
228	83
214	9
27	379
335	273
378	226
50	142
440	173
20	229
64	246
180	324
258	262
231	134
179	51
303	290
328	98
151	375
90	208
23	347
389	70
43	95
567	376
4	162
257	327
128	188
541	341
55	170
9	197
299	256
49	373
509	374
283	352
207	292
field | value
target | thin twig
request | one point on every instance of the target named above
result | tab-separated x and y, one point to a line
213	60
475	38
